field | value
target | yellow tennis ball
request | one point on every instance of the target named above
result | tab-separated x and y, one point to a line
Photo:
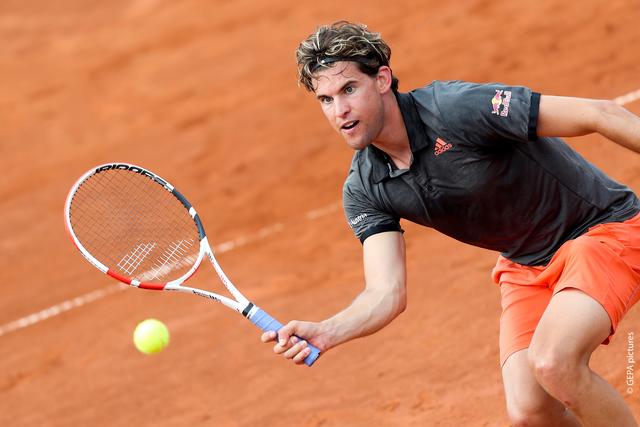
151	336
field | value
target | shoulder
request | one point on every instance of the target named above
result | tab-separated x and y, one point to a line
360	172
439	87
362	197
443	94
427	108
443	90
473	102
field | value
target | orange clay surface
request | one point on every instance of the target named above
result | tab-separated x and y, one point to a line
204	93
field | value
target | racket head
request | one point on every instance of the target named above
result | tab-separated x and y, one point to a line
134	226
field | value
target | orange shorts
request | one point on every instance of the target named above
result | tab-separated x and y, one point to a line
604	263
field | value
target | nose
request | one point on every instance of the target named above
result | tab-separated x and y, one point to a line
342	107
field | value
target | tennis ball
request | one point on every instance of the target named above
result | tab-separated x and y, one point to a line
151	336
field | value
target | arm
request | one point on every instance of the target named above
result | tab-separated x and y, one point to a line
384	296
564	116
382	300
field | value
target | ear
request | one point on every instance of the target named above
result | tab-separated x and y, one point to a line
383	79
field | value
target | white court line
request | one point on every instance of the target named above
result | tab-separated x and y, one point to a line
628	98
221	248
317	213
57	309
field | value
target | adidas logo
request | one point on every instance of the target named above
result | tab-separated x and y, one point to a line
441	146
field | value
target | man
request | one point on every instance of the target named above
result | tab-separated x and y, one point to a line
484	165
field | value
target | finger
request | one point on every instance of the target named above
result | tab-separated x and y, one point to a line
283	338
293	351
286	332
299	358
268	336
281	348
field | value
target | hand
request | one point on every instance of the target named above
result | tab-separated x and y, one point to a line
292	340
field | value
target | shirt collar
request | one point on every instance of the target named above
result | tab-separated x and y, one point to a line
382	166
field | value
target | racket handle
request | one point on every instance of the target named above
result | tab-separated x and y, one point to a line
267	323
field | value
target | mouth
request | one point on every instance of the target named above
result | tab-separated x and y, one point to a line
350	125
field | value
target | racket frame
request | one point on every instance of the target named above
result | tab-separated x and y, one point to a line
239	304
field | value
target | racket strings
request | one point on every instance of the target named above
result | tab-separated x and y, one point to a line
175	256
132	261
134	225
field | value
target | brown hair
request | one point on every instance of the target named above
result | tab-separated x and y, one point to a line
342	41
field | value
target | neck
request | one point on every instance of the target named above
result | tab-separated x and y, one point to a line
393	138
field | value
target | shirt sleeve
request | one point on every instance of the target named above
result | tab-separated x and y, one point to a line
487	113
363	216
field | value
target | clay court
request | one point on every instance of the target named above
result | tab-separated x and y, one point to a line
204	93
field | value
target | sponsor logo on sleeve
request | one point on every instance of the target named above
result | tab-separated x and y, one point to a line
500	103
357	220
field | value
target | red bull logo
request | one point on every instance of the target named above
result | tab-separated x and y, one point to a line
502	98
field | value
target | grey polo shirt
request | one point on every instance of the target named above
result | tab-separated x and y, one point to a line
481	175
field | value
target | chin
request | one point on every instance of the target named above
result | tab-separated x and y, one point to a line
357	145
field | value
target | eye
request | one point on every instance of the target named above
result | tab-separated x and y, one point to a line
325	99
349	90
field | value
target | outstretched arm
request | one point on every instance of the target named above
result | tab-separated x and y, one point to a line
565	116
382	300
384	296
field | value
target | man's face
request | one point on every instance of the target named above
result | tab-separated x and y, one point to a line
352	102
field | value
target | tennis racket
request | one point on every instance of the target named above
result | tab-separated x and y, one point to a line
137	228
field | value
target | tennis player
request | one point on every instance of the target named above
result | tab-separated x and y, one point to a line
483	163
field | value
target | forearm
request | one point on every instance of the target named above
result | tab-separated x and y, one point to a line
619	125
383	299
369	312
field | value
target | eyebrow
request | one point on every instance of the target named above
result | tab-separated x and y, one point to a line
347	83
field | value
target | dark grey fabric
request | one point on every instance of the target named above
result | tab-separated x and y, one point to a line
480	175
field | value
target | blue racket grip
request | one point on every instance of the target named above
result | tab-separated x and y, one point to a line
267	323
